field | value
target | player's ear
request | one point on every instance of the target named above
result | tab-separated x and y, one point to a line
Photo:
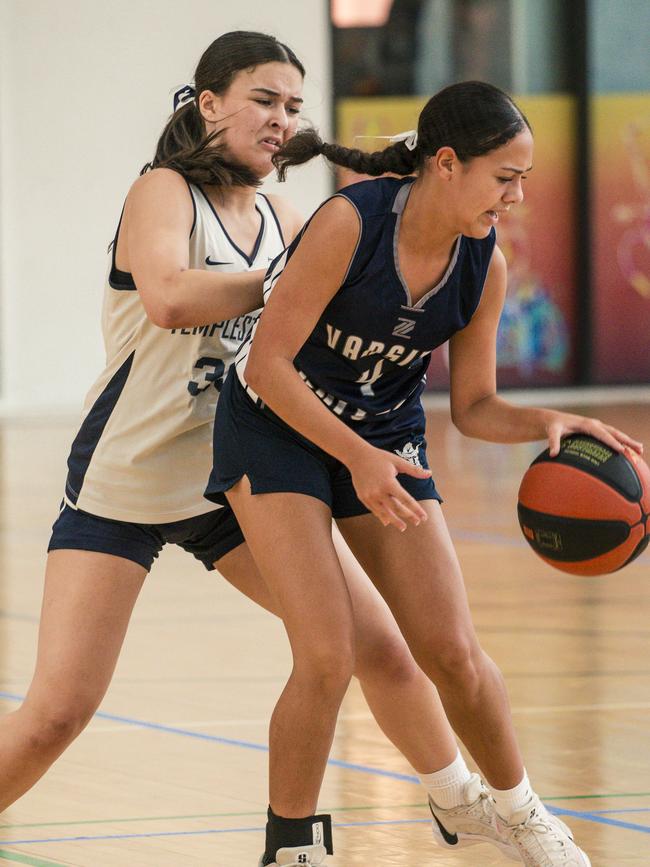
210	106
444	163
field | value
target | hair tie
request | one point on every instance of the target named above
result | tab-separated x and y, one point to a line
183	95
410	138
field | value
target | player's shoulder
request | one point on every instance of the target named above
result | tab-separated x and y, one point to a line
335	217
161	195
159	183
498	261
376	195
496	276
289	216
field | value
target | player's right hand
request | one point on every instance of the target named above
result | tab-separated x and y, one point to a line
374	476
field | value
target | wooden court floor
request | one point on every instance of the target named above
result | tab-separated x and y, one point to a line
172	771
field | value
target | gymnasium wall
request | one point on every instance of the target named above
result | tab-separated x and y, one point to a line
85	88
620	180
578	303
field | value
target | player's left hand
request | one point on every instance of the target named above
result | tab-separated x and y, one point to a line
562	424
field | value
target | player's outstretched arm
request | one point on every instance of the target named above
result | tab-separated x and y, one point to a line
477	410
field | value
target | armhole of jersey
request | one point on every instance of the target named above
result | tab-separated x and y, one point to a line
113	245
493	237
120	280
292	247
189	189
359	239
275	217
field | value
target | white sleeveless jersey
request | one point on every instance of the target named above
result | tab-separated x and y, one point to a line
144	449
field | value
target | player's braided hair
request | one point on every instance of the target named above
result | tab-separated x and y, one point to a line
471	117
183	144
307	144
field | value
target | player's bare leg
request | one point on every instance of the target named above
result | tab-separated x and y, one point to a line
87	603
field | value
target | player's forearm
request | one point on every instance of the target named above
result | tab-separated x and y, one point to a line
496	420
280	386
196	297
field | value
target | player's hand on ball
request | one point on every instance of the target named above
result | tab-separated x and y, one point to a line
562	424
374	476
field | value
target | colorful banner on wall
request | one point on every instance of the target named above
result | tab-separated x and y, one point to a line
537	331
621	235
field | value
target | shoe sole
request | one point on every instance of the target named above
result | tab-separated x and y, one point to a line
465	840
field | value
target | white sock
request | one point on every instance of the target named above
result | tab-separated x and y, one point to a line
446	786
511	800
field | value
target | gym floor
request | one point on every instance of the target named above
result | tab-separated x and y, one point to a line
173	769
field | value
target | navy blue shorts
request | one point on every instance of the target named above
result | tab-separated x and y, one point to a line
208	537
250	440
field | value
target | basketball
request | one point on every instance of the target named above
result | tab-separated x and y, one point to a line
587	510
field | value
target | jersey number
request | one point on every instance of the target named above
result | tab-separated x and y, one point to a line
210	371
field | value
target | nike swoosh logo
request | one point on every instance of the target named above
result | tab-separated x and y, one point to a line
451	839
209	261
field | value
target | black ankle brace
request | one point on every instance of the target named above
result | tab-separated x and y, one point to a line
285	833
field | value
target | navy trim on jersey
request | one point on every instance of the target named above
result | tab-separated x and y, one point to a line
92	428
249	259
123	280
275	217
189	187
120	280
398	208
359	239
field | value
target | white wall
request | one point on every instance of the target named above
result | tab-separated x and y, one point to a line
85	88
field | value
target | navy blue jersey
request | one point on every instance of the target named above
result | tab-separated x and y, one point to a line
368	354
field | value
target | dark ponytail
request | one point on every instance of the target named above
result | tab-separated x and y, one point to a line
471	117
307	144
183	144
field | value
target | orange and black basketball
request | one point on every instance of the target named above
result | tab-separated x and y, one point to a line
587	510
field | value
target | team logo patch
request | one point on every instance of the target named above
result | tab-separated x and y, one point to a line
410	453
404	327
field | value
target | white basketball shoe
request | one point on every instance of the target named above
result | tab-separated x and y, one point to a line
474	821
540	839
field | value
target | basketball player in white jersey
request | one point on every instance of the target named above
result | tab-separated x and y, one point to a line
186	271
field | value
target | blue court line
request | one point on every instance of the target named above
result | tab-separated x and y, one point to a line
198	833
410	778
600	819
212	831
230	742
90	838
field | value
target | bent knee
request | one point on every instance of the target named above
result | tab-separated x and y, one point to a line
457	658
326	668
388	657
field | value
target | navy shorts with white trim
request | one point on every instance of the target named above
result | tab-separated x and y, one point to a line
250	440
208	537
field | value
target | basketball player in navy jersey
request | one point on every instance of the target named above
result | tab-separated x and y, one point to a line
321	416
192	238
